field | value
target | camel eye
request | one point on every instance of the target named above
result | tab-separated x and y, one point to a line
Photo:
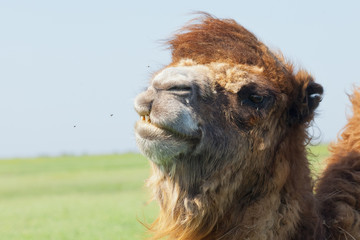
180	88
257	99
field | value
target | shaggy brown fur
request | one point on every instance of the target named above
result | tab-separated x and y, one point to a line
339	189
225	126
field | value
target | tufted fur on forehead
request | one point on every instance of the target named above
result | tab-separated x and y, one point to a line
209	39
213	40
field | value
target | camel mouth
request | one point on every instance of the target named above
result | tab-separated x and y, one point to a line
145	118
148	129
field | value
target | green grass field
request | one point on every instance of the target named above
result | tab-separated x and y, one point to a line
87	197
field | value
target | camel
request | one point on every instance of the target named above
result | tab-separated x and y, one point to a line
225	127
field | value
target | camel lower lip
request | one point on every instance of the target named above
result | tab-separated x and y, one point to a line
150	131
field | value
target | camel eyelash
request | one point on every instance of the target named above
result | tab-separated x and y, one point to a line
256	101
253	96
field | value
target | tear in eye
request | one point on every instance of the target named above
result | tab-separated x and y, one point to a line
256	98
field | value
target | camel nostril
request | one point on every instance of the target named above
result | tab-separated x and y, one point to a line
143	103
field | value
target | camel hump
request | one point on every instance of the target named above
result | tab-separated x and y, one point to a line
349	139
338	191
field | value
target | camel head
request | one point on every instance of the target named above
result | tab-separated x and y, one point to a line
213	120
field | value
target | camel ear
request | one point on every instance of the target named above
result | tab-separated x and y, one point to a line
302	111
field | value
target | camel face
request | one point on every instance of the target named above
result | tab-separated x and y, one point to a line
193	109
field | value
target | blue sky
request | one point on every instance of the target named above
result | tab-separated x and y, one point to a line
70	70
